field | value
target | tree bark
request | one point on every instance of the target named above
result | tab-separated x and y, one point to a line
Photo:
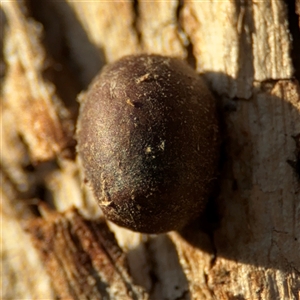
249	245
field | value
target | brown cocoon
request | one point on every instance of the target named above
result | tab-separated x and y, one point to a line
148	140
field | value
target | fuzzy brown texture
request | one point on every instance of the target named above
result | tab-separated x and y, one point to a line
148	140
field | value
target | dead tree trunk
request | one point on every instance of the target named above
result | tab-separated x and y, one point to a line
249	52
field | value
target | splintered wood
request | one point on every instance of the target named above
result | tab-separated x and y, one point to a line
249	246
44	127
83	258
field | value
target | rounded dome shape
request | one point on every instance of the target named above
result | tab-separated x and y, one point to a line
149	142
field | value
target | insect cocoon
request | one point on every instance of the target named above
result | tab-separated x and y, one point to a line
149	142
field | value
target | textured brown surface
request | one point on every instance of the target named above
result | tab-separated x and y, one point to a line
247	51
25	87
82	257
148	139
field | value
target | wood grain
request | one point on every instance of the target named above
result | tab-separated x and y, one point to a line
249	246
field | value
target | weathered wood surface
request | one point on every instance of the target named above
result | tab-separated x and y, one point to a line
250	248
